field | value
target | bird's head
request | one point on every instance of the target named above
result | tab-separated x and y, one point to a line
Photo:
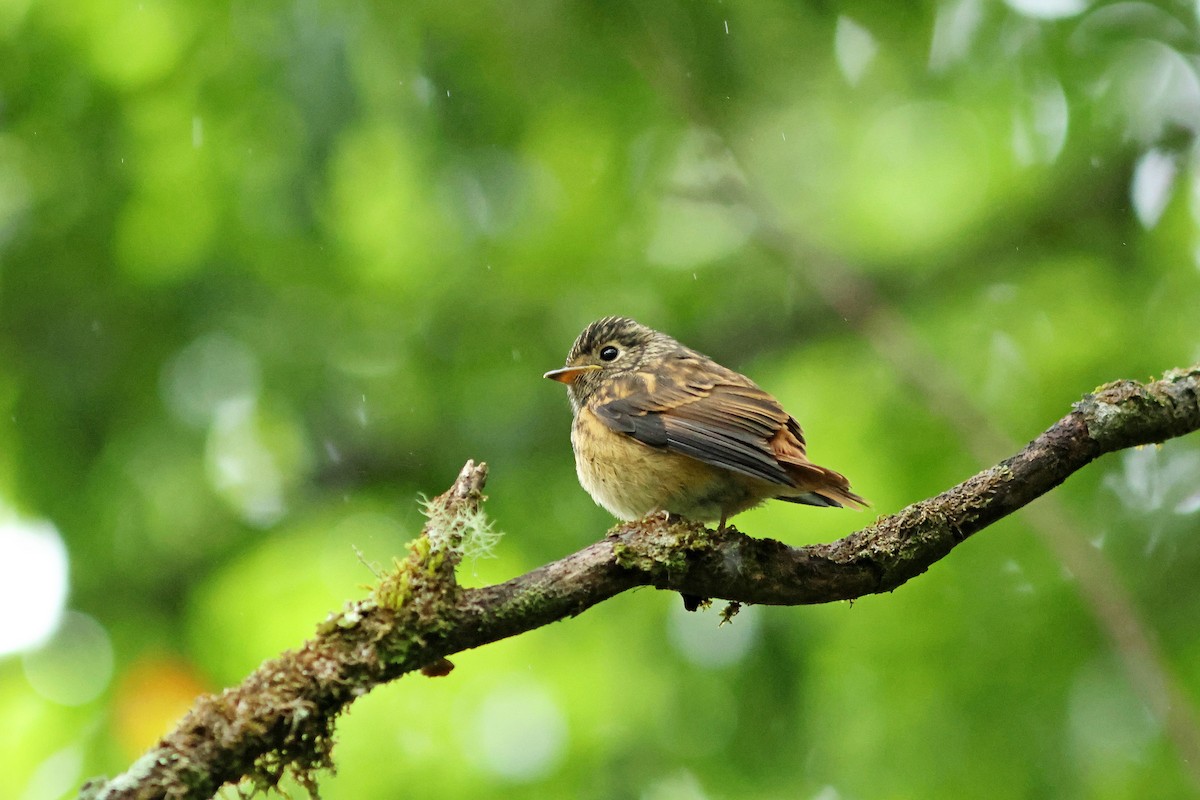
607	349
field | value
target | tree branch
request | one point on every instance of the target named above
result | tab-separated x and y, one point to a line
281	718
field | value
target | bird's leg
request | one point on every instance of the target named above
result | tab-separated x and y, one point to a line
721	527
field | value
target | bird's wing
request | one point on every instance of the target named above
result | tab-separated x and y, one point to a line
705	411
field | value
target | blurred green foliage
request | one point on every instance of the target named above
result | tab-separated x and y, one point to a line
269	270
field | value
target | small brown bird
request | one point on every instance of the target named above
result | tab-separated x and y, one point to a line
660	427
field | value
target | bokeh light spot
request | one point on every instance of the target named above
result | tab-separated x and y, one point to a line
1042	120
520	733
1047	9
242	466
1152	186
378	208
682	785
150	697
15	196
855	49
74	667
56	777
698	638
925	169
695	224
33	583
1150	89
135	43
691	233
1109	726
212	370
954	30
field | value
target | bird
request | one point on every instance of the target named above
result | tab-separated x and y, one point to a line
659	427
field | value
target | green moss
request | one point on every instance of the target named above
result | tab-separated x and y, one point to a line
663	546
395	649
426	569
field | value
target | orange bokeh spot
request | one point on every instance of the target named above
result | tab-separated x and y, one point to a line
151	696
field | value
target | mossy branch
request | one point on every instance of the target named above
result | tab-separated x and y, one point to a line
280	719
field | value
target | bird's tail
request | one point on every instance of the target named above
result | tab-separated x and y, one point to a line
821	486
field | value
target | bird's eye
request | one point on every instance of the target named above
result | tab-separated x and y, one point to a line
609	353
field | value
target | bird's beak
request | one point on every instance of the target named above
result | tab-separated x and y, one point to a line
568	375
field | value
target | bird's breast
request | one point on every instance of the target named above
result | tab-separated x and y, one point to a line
630	479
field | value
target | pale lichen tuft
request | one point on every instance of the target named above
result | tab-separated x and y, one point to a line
462	530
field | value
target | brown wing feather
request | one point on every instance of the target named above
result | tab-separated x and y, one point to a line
699	409
716	415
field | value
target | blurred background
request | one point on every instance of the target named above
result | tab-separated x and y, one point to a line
270	270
